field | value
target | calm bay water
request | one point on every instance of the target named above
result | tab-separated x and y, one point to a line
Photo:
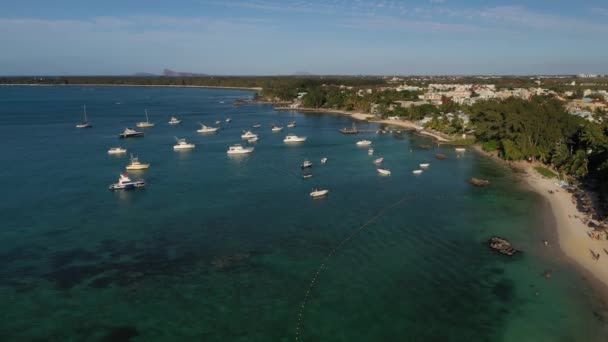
224	249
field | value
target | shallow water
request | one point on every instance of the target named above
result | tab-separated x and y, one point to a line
224	249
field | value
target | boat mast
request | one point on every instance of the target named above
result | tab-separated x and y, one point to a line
85	112
146	110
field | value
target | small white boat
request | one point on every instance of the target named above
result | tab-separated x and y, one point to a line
307	175
425	165
292	138
370	151
384	172
136	165
130	133
228	120
85	123
238	149
306	164
460	149
218	122
207	129
248	135
253	140
323	161
276	128
174	121
291	124
417	172
318	193
145	124
117	150
364	143
256	126
378	161
183	145
125	183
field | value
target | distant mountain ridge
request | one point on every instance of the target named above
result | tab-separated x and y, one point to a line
171	73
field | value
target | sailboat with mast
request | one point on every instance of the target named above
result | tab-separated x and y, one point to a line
85	123
145	124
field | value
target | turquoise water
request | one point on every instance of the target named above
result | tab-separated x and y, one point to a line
225	249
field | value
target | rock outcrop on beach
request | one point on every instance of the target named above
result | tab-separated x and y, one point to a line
479	181
502	246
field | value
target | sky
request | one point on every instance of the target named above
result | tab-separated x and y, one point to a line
283	37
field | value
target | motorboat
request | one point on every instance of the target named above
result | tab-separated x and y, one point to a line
425	165
307	175
174	121
117	150
370	151
125	183
318	193
131	133
417	172
248	135
364	143
207	129
228	120
85	123
238	149
256	126
136	165
291	124
460	149
378	161
183	145
145	124
218	122
384	172
323	160
252	140
276	128
292	138
306	164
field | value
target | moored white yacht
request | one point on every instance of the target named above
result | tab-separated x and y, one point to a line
207	129
131	133
318	193
276	128
117	150
370	151
323	160
145	124
417	172
291	124
125	183
364	143
248	135
292	138
460	149
378	161
228	120
253	140
256	126
174	121
306	164
183	145
384	172
136	165
238	149
424	165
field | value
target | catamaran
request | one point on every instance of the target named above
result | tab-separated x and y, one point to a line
85	123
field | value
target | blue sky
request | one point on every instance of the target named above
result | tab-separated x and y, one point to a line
270	37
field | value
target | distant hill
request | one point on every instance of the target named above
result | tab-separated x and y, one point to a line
171	73
145	74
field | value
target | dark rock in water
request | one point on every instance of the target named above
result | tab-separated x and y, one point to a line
502	246
121	334
479	181
441	156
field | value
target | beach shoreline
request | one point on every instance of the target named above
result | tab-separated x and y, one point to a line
128	85
570	231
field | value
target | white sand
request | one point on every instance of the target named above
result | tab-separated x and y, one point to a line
571	231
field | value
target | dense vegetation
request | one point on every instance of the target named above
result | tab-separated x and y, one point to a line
540	129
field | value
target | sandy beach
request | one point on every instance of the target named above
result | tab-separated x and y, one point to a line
572	233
